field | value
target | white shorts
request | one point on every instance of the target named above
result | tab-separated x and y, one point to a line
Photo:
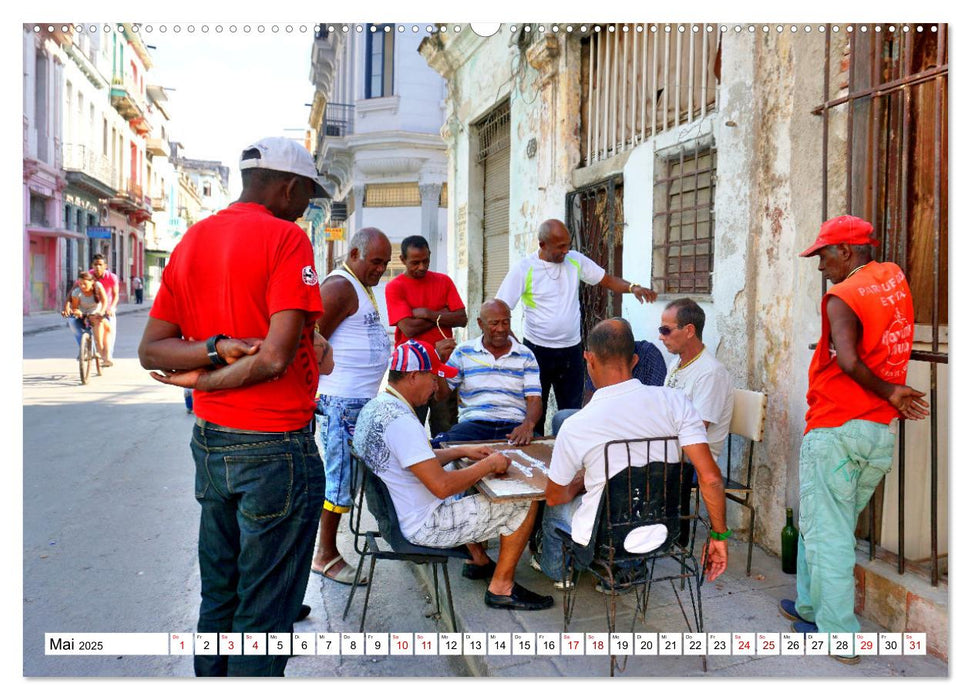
470	519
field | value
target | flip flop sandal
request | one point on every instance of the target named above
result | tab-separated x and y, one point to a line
344	576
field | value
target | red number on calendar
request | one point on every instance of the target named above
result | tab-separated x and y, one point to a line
573	643
866	646
744	645
768	645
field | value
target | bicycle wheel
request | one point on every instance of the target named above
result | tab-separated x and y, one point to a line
85	353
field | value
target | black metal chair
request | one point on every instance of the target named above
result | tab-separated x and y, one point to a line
381	506
641	494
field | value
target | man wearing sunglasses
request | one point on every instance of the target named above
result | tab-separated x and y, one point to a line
697	372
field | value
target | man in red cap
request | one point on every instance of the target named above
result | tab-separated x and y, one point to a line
394	445
857	392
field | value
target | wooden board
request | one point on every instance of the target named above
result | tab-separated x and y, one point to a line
526	477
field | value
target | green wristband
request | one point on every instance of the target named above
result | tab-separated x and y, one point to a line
720	535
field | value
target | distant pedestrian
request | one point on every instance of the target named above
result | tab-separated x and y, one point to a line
137	286
108	280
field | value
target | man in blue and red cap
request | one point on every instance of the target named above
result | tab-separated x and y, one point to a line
394	445
857	393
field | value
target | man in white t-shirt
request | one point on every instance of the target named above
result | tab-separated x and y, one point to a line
394	445
548	284
697	372
622	408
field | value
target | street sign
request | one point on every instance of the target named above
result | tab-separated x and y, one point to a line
99	232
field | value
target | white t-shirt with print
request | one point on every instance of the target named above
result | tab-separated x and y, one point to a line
390	439
708	385
619	412
550	293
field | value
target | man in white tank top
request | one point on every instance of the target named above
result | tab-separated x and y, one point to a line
352	324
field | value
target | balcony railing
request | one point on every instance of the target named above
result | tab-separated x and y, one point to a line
338	120
78	157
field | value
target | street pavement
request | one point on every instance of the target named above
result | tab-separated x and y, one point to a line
109	536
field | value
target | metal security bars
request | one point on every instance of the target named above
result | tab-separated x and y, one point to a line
392	194
886	89
641	79
493	132
595	218
684	221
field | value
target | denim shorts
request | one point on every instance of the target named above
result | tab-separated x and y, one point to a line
337	417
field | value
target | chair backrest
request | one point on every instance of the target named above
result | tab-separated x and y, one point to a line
643	493
382	508
748	414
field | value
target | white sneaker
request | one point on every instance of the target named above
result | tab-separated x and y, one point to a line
558	585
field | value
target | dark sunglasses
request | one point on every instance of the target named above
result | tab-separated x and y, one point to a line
664	330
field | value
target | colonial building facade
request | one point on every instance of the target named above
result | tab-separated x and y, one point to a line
376	117
701	159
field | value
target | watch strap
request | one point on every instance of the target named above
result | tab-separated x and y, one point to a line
211	351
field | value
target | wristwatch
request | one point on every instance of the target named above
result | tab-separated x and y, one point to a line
214	357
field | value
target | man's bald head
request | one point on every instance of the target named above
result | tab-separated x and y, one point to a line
612	341
551	227
365	238
492	306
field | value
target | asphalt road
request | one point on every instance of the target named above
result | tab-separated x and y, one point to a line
110	524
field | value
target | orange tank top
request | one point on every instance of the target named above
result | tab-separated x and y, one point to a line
880	297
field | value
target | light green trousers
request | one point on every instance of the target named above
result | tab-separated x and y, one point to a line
838	470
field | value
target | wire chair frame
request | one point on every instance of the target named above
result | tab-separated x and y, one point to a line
630	500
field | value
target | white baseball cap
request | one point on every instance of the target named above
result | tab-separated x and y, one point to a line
286	156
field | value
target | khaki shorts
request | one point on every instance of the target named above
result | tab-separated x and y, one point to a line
470	519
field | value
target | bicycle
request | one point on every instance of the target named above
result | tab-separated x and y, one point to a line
86	351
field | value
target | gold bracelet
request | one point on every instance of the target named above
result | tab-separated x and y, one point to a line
631	289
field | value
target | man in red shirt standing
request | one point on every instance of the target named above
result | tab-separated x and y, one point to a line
857	393
108	280
244	279
424	305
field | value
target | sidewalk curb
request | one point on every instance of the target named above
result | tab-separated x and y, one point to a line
57	321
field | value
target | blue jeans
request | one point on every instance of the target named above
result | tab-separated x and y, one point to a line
551	548
338	416
261	495
475	430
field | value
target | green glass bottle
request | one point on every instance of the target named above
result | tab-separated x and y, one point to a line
790	541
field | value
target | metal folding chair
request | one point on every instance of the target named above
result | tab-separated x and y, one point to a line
382	508
643	493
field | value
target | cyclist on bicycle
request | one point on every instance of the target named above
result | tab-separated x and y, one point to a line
87	301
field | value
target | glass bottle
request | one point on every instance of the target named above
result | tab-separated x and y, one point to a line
790	541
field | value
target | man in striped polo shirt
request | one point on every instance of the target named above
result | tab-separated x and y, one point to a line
498	383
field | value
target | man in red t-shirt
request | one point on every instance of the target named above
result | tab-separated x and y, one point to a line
244	279
857	392
424	305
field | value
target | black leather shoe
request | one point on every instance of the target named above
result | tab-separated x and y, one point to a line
303	614
520	599
477	572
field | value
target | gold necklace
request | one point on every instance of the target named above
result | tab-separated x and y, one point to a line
394	392
367	289
854	271
670	382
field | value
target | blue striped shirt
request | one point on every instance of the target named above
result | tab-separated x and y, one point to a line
492	389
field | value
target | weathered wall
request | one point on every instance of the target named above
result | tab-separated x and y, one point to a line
544	105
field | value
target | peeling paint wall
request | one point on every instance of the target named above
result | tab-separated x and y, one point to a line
544	105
